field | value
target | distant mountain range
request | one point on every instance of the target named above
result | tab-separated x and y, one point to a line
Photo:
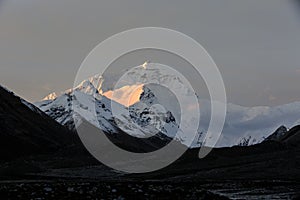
243	125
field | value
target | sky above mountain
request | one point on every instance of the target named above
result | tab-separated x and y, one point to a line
255	43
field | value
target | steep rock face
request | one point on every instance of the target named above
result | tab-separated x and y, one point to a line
24	129
151	116
148	97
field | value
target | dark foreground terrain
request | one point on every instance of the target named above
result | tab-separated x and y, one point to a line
148	190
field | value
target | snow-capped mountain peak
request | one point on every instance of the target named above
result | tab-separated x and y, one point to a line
50	96
97	82
86	87
243	126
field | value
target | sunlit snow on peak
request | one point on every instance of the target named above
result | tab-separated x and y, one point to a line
126	95
51	96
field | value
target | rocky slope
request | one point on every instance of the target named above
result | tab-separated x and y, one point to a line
24	129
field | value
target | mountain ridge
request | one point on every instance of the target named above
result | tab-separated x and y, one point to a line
242	125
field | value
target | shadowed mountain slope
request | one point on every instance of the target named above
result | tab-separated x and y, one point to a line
25	130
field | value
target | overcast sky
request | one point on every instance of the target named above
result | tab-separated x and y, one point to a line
255	43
